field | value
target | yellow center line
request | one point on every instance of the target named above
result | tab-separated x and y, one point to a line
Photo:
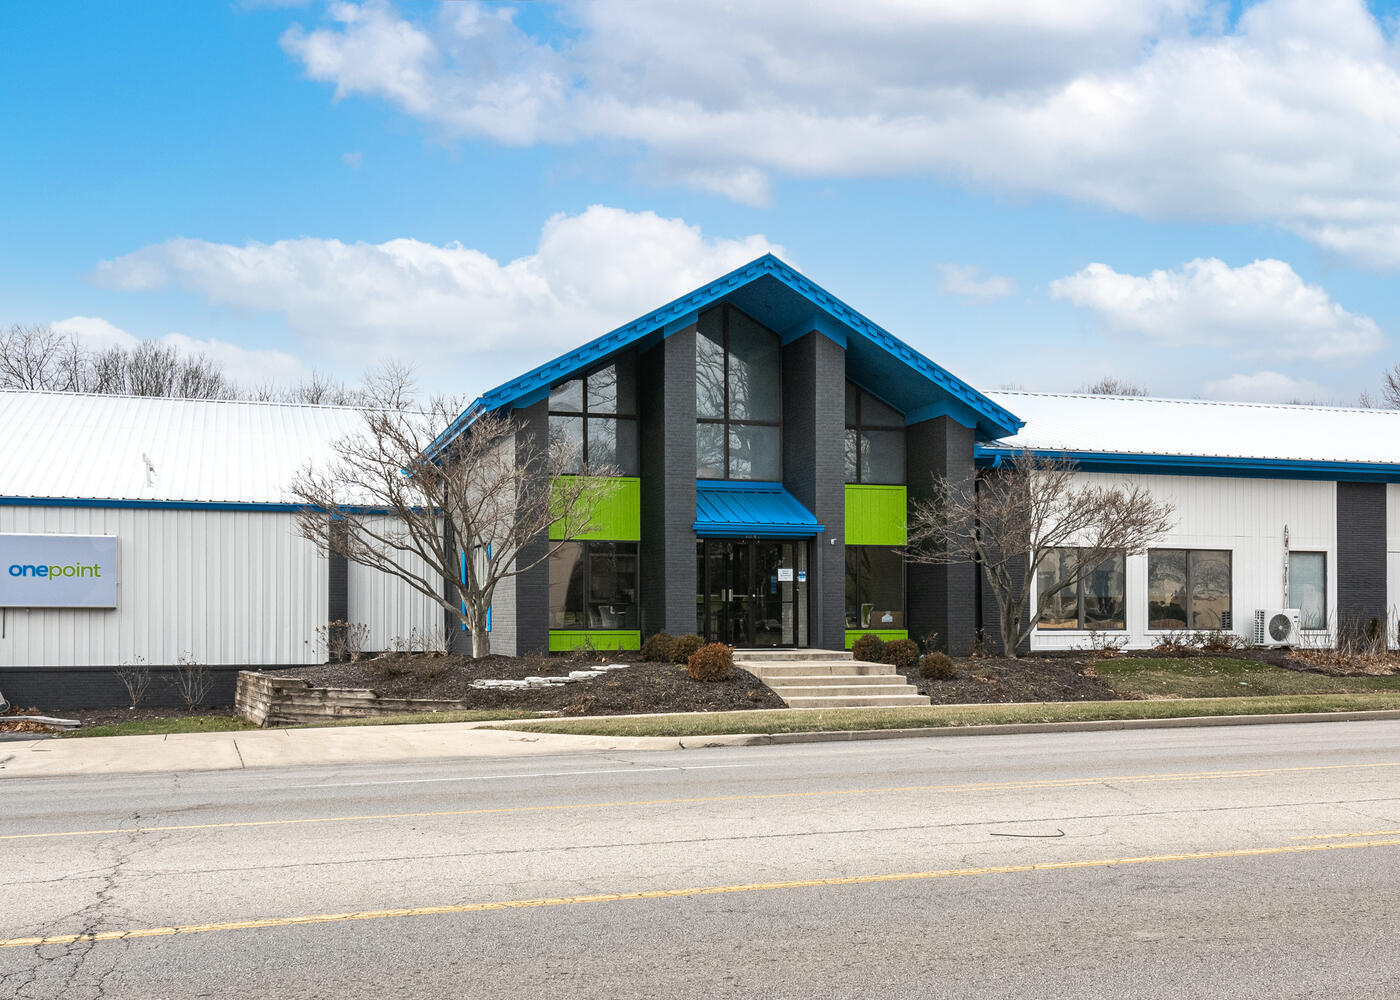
1358	833
1121	779
712	890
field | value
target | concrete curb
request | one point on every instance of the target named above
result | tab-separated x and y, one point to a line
1024	728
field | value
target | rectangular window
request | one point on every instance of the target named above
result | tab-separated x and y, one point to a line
738	399
1307	587
1095	601
1188	588
874	439
593	585
874	587
595	418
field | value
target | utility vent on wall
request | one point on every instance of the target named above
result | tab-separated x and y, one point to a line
1277	627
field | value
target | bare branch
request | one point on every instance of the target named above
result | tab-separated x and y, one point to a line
1011	518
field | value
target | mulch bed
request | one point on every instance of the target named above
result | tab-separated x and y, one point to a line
992	680
642	687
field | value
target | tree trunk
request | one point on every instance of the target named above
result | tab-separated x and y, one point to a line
1010	629
481	643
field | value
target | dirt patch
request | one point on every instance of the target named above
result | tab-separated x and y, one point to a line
641	687
990	680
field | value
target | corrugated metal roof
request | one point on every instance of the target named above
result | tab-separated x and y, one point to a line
78	446
1134	425
732	509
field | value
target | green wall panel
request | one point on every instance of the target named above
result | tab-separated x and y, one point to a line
888	634
876	515
618	515
567	642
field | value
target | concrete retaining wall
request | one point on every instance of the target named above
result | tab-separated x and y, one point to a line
269	700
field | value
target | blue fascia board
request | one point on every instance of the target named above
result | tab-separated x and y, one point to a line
840	320
730	529
1205	465
955	410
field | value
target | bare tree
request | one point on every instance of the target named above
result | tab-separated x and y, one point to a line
452	520
1390	391
1011	518
318	388
1111	385
39	357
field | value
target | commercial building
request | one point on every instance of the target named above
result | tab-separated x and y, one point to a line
770	440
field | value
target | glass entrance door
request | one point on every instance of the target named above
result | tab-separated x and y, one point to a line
751	593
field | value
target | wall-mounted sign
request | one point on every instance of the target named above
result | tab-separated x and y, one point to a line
58	571
785	574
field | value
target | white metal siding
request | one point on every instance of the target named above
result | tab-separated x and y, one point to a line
1392	559
389	606
1246	516
228	587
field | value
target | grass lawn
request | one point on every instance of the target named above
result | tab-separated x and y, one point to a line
845	719
157	727
422	718
1223	677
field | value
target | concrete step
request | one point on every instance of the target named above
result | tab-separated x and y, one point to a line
846	692
835	680
857	701
789	655
848	668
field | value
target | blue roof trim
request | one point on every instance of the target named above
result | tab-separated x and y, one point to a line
264	508
734	509
988	456
996	420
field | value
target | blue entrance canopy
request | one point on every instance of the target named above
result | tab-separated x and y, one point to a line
733	509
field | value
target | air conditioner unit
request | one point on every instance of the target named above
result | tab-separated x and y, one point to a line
1277	627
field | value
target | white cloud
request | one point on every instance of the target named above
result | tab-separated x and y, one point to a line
437	304
246	366
969	283
1263	310
1160	108
1265	387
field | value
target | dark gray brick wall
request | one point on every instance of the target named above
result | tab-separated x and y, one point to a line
814	426
941	599
338	586
531	624
1361	557
58	689
666	402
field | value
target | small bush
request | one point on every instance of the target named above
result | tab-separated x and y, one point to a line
683	646
1218	641
903	653
870	648
659	647
712	662
937	667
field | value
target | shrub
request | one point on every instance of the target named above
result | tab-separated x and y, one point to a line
937	667
684	645
659	647
1217	641
870	648
135	677
712	662
192	681
903	653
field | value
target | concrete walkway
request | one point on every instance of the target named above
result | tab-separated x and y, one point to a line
47	758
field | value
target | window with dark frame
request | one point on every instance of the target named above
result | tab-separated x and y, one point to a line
1097	601
593	585
874	587
597	415
738	398
1189	589
874	439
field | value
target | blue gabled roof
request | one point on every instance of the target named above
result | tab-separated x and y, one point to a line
791	305
734	509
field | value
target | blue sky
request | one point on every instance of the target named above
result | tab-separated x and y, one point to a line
1201	198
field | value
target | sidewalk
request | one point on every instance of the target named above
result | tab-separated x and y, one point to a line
48	758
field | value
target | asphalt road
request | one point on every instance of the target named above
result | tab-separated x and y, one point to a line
1261	861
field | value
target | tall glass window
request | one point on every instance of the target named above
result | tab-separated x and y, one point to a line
874	587
1307	587
593	585
738	402
1188	588
874	439
596	417
1095	601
